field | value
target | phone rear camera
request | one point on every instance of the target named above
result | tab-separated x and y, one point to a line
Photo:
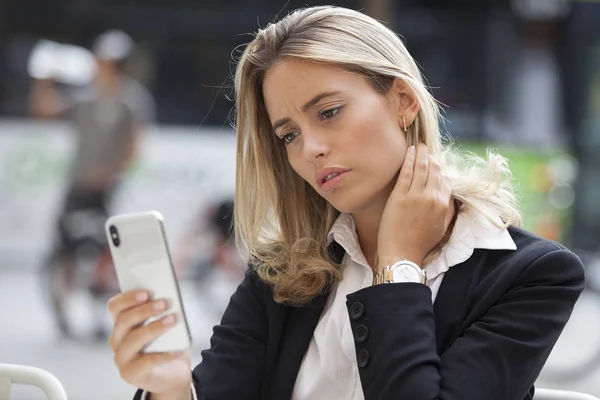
114	235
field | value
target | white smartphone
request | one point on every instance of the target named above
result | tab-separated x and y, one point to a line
140	254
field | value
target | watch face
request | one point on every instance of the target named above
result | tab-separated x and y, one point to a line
406	273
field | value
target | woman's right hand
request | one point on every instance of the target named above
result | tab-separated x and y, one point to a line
157	373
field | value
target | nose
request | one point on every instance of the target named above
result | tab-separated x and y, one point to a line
315	145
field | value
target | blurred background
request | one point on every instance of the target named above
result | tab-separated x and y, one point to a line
154	78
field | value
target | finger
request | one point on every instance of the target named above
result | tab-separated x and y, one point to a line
421	168
446	194
142	365
123	301
406	172
134	317
446	189
434	175
139	338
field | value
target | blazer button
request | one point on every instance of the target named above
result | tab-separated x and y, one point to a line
363	358
357	310
361	333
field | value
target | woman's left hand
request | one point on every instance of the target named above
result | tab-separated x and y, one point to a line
417	213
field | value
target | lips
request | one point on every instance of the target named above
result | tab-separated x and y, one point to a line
327	176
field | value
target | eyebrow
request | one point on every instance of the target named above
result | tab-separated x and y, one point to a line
279	123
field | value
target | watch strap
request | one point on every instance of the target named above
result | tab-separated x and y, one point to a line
387	274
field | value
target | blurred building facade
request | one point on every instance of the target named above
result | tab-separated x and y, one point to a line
186	47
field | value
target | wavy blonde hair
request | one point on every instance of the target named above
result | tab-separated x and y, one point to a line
281	222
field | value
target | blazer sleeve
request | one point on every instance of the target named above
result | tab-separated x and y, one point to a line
498	357
233	365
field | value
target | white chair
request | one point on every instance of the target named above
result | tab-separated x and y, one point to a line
25	375
552	394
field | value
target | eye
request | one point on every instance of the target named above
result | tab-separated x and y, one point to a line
289	137
329	113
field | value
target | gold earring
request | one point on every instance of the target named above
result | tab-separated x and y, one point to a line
404	122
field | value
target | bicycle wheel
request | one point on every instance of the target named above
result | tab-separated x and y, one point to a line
52	284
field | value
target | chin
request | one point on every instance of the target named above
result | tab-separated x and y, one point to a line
349	203
360	198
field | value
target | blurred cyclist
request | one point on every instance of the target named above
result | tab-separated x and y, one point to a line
107	116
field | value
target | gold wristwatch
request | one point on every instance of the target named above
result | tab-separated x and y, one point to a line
401	272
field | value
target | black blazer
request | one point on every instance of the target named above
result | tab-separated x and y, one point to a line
492	327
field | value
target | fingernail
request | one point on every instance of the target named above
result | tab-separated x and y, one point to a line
168	320
160	305
141	296
412	149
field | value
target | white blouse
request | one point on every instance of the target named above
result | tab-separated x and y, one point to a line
329	369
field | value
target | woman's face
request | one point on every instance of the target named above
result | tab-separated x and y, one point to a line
341	136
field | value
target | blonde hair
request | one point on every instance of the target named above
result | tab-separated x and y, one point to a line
281	222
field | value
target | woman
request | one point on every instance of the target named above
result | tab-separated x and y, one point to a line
355	217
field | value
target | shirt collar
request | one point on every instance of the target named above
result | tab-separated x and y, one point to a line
472	230
344	233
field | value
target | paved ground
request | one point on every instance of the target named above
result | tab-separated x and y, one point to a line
87	372
85	369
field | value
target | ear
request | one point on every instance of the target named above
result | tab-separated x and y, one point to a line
406	102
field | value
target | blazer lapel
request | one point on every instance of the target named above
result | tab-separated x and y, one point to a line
297	334
453	297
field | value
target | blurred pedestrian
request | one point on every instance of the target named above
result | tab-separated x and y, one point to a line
108	116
